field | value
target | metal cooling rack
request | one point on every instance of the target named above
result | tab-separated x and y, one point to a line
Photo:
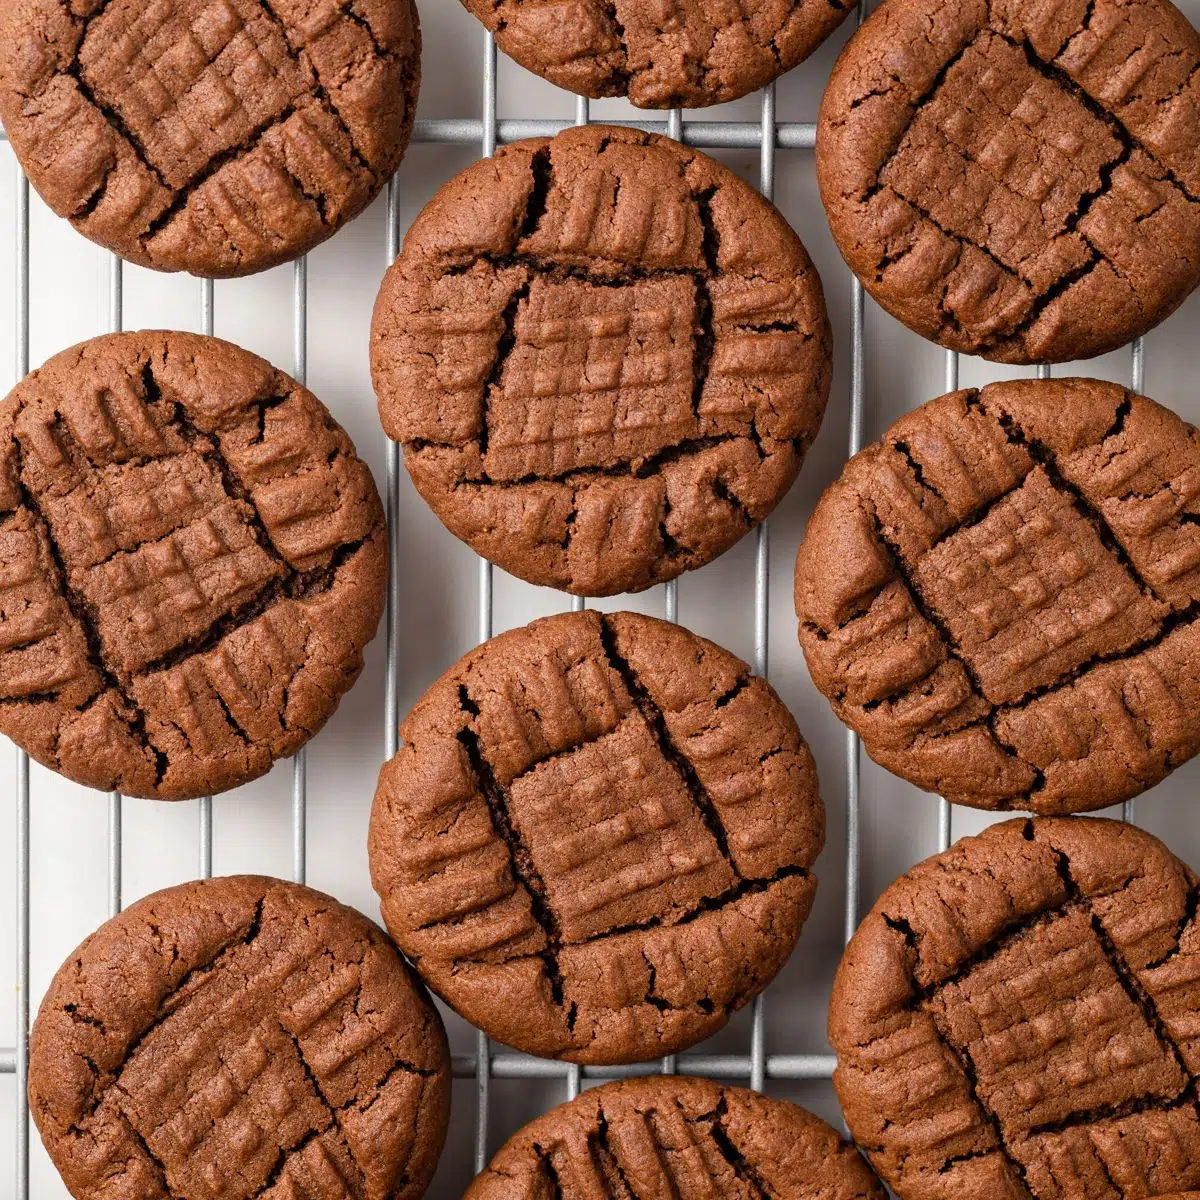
487	132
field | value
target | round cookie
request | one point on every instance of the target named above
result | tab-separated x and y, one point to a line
240	1037
218	137
1001	595
705	54
1018	179
676	1137
596	841
192	559
605	356
1016	1018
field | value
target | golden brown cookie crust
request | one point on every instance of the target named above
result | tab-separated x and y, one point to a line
219	137
1018	179
1016	1018
244	1037
1001	595
688	52
596	841
194	558
605	356
676	1137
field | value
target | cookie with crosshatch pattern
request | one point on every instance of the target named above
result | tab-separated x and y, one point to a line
192	559
681	52
240	1037
1018	178
605	356
679	1137
596	841
218	137
1002	595
1017	1018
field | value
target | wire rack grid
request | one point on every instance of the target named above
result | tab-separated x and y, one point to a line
753	1068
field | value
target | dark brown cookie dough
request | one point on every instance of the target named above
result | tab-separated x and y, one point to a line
240	1037
1016	178
685	52
1001	595
605	356
596	841
1017	1018
213	136
192	559
676	1137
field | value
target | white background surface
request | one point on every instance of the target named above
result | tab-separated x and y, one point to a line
252	827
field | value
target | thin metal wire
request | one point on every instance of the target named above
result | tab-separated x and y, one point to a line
21	1049
717	135
583	116
762	587
945	816
853	745
858	314
672	129
487	142
391	702
716	1066
668	1064
116	804
207	323
300	761
1137	382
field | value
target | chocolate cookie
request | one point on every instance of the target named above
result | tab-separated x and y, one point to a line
1017	1018
192	559
676	1137
689	52
605	356
596	841
213	136
1015	178
1001	595
240	1037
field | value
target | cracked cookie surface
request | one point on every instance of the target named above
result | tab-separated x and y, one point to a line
218	137
192	559
1016	1018
596	841
1017	178
240	1037
1002	596
682	1137
682	52
605	356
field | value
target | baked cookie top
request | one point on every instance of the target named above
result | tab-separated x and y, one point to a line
596	841
688	52
605	356
240	1037
1017	1018
1018	179
676	1137
218	137
1001	595
192	559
